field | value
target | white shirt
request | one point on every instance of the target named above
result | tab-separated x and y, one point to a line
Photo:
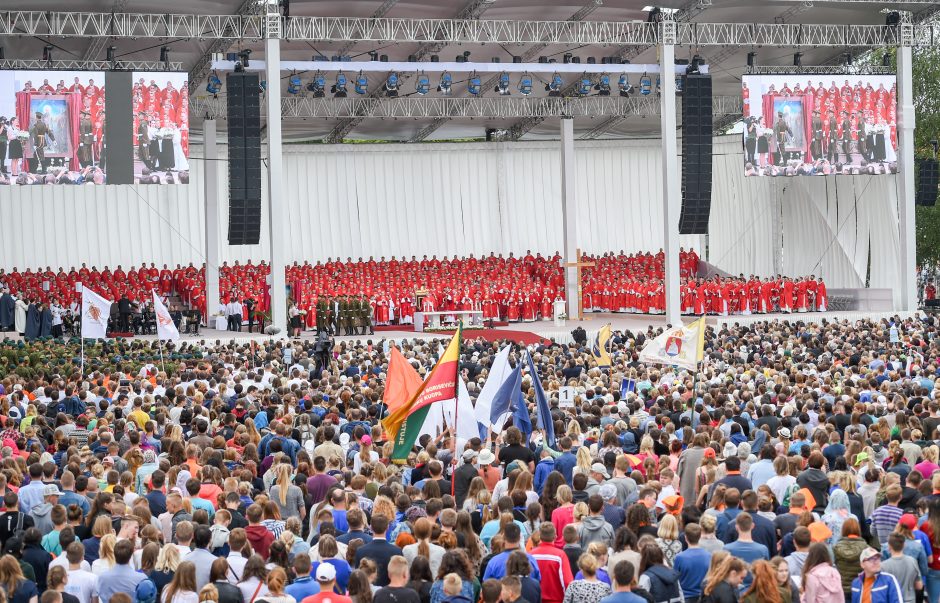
82	584
236	564
64	562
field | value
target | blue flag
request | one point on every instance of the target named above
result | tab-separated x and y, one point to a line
627	386
544	413
503	400
520	412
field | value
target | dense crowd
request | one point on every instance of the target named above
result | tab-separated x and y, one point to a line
799	464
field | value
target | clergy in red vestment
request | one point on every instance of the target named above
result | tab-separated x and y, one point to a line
822	298
547	307
786	296
529	308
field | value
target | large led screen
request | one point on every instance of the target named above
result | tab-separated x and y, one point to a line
819	125
54	128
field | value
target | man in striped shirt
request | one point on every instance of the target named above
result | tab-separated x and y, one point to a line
886	517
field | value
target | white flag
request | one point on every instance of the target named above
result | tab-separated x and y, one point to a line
500	371
166	329
95	313
682	346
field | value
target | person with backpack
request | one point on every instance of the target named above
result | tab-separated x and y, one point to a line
660	581
13	522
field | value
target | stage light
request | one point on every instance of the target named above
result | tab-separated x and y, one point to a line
422	84
603	85
445	87
555	85
317	85
373	55
525	84
797	59
214	84
750	58
567	58
584	85
695	65
111	55
362	84
165	55
47	52
294	85
285	8
474	86
339	87
846	58
262	86
502	85
646	84
624	85
391	85
243	57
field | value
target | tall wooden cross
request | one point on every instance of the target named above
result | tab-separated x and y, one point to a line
579	264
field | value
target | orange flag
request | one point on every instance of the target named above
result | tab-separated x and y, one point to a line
400	387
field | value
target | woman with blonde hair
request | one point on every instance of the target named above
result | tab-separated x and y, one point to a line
667	538
182	589
209	594
563	515
646	452
288	497
105	560
588	587
14	584
929	466
583	461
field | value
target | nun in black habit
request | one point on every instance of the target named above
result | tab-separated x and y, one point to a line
33	321
45	321
7	311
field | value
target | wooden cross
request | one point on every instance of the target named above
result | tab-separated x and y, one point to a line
579	264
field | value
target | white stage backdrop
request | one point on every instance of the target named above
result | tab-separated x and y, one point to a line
447	199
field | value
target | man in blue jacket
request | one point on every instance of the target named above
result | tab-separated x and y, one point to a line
546	465
566	462
873	586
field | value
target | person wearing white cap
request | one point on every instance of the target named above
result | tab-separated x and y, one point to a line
326	578
873	585
41	512
464	474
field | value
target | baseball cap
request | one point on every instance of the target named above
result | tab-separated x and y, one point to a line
469	455
784	432
600	468
607	491
325	572
867	554
51	490
366	440
710	453
908	521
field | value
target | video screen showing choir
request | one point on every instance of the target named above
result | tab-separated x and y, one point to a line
52	128
812	125
161	127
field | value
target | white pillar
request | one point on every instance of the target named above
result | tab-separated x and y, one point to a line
210	173
569	217
671	202
906	298
276	218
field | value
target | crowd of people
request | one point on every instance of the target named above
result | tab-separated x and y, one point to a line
514	289
799	464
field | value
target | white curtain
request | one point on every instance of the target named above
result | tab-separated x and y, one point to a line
457	199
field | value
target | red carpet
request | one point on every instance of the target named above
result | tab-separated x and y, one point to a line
394	328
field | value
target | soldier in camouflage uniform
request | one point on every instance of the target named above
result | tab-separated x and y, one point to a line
322	309
344	321
367	312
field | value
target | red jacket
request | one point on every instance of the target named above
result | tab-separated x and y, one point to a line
555	570
260	539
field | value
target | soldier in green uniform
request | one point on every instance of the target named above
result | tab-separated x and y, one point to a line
322	313
355	315
41	134
343	321
367	312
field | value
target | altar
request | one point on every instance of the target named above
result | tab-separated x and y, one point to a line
435	321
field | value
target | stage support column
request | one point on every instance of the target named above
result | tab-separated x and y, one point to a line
907	236
671	200
210	172
569	218
276	207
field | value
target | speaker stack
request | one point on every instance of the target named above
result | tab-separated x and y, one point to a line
696	154
244	158
928	179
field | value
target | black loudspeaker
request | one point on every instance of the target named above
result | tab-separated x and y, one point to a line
928	179
696	154
244	158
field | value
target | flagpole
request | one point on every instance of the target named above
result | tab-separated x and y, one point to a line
453	471
83	351
160	347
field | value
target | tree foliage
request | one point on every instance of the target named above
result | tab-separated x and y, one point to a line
926	78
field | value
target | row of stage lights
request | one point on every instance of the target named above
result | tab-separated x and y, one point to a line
526	84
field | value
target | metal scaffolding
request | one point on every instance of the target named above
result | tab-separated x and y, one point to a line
80	65
456	31
203	64
423	107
